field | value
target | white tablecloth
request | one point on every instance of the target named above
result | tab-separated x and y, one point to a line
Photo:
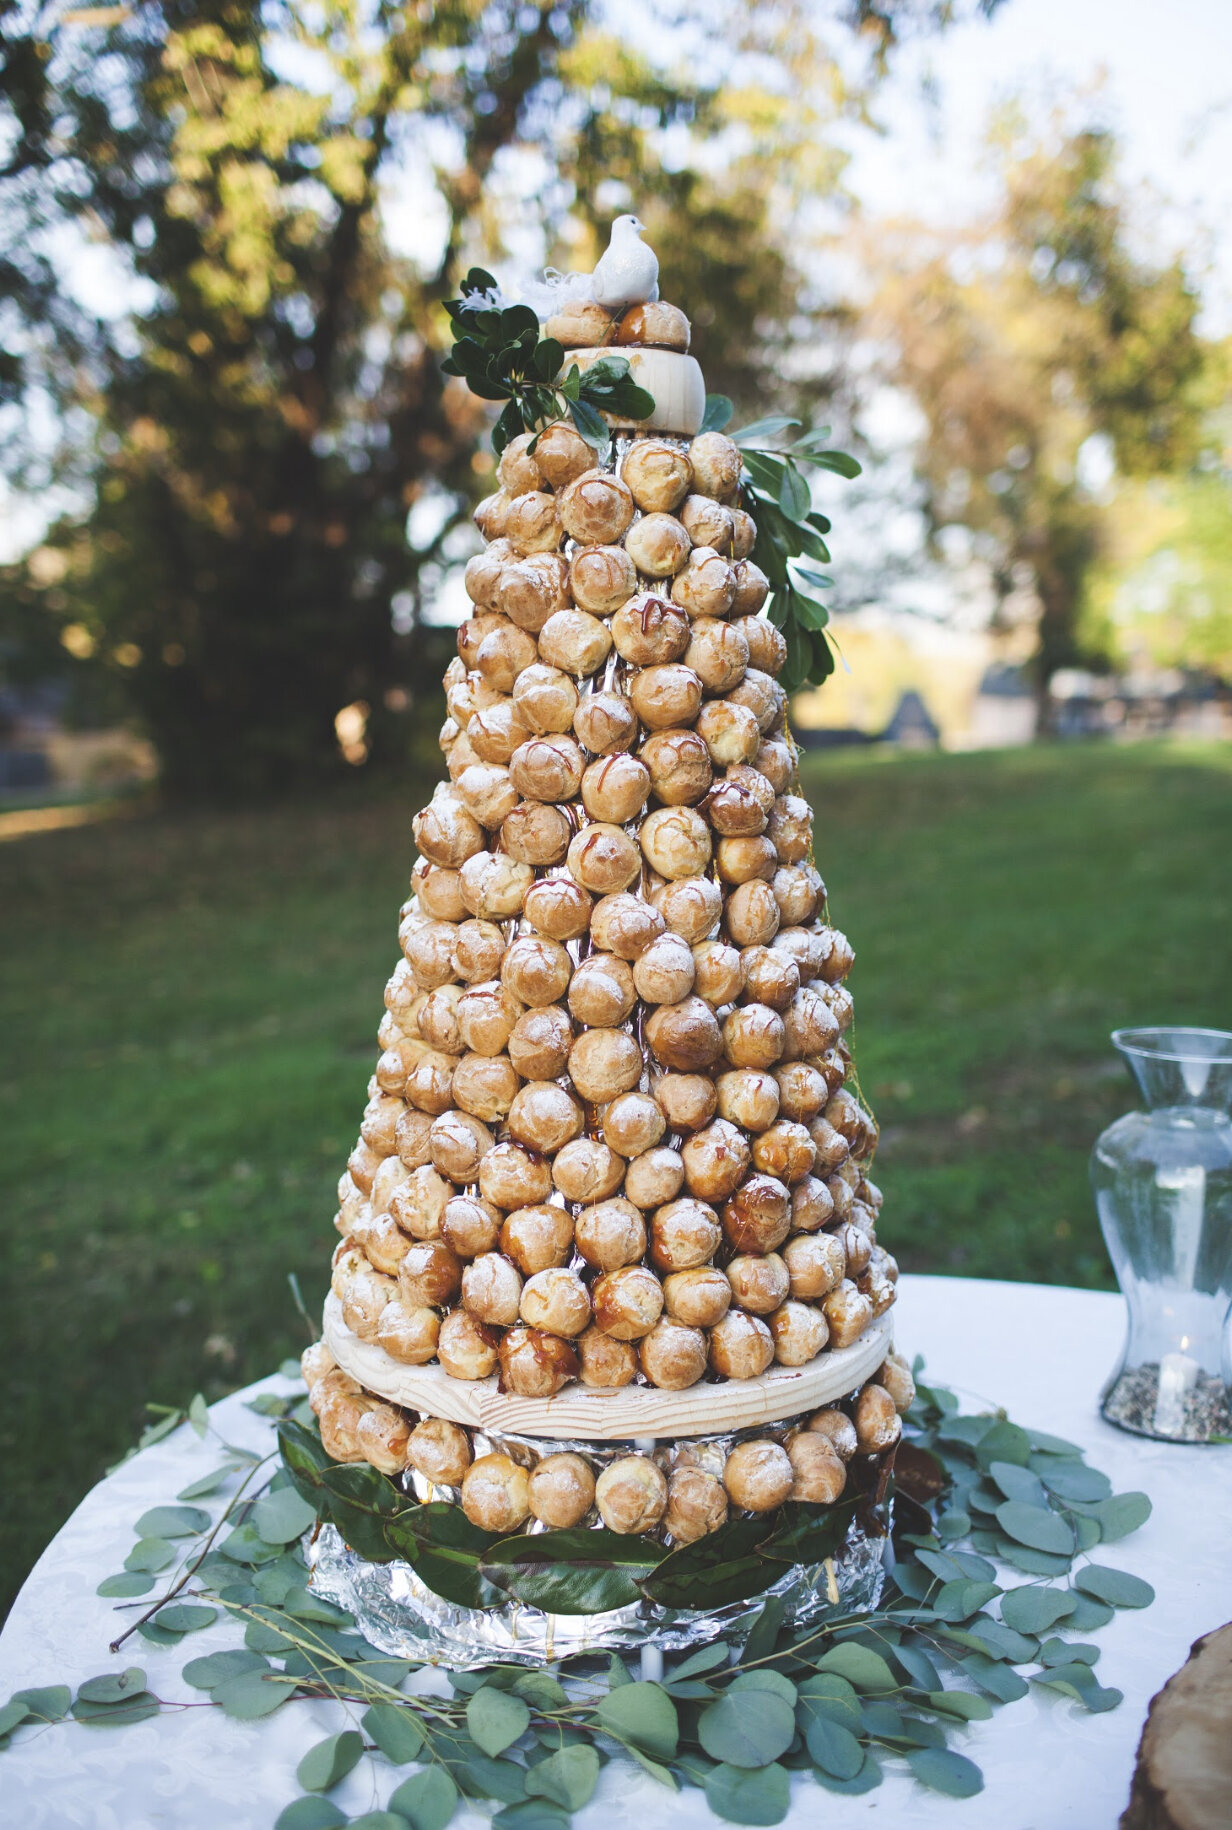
1041	1352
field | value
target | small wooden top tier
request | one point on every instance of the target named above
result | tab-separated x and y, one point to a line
584	1413
675	381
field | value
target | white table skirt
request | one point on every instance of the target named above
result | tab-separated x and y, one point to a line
1041	1352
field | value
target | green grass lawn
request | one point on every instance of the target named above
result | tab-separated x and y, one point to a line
189	1007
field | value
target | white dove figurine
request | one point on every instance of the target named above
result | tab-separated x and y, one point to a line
628	273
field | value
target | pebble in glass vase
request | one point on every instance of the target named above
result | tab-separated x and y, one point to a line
1163	1190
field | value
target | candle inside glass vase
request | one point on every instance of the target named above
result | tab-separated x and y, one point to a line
1163	1189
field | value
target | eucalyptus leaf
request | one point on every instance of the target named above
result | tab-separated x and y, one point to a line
567	1777
246	1545
251	1695
1032	1562
769	427
1088	1614
1076	1680
1067	1652
1114	1586
1018	1483
532	1814
138	1708
1118	1516
960	1703
150	1554
173	1522
496	1719
1075	1481
127	1583
283	1517
12	1715
207	1483
113	1686
48	1703
310	1814
747	1729
866	1780
793	494
998	1679
186	1617
709	1658
1034	1610
324	1765
945	1771
826	1693
1036	1527
764	1633
833	1748
743	1797
217	1667
427	1800
643	1714
863	1669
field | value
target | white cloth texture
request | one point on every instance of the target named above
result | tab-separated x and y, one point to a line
1041	1352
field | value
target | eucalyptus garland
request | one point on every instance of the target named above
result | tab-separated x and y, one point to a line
953	1639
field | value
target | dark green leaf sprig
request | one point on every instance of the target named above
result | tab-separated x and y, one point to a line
836	1702
501	355
564	1572
790	545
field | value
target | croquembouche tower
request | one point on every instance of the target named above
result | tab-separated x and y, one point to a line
608	1256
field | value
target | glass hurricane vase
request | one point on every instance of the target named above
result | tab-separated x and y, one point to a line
1163	1190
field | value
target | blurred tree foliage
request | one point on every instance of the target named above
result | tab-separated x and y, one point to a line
263	404
1038	334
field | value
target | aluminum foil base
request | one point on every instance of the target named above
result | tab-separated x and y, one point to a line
398	1613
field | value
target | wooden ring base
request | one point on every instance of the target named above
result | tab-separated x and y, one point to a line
581	1412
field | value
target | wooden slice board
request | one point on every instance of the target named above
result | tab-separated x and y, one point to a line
1184	1775
581	1412
675	380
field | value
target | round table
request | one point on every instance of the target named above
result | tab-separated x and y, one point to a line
1042	1352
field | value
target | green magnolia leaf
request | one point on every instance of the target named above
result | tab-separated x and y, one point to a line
496	1719
571	1572
113	1686
721	1567
330	1761
946	1771
719	410
446	1551
793	494
283	1517
764	1633
396	1732
1114	1586
590	425
128	1583
217	1667
743	1797
642	1714
767	472
840	462
864	1670
150	1554
251	1695
185	1617
567	1777
833	1748
50	1703
1036	1527
748	1729
426	1800
310	1814
1034	1610
173	1522
769	427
